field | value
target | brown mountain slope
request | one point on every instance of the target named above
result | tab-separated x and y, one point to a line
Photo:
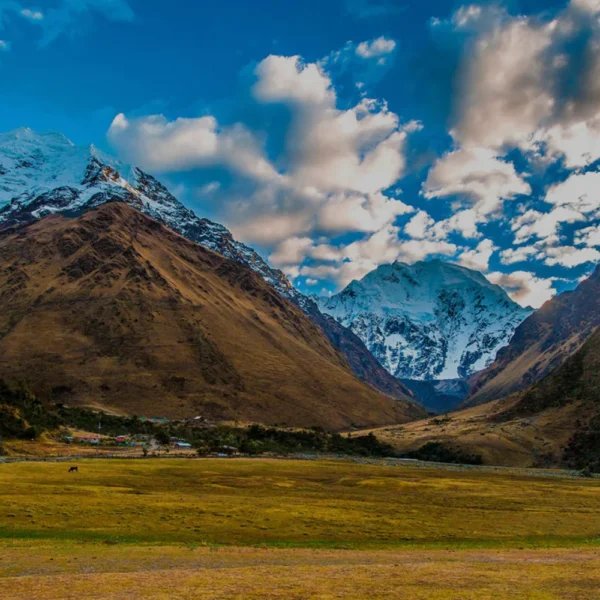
113	310
554	422
541	343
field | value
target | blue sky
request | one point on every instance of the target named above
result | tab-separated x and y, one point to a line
341	134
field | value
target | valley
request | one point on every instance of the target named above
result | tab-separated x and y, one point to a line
299	301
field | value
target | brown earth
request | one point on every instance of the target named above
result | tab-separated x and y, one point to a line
541	343
112	310
532	427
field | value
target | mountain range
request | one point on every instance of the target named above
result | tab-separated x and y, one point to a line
113	294
43	174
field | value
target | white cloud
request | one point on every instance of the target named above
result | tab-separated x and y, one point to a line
478	176
367	62
592	6
4	46
291	251
511	256
355	260
376	48
465	222
524	287
544	226
33	15
479	257
506	92
209	188
569	256
590	236
289	80
574	200
358	212
420	226
161	145
518	88
580	192
329	179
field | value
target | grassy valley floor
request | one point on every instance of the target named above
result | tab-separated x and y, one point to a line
157	529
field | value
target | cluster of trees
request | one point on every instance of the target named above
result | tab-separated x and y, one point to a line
257	439
583	450
444	453
23	416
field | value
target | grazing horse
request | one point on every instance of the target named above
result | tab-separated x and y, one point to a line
74	469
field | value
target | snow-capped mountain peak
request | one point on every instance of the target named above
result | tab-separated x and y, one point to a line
41	174
430	320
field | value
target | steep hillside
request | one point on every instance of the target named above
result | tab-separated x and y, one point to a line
113	310
43	174
542	342
555	422
428	321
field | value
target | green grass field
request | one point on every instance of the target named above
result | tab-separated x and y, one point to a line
292	529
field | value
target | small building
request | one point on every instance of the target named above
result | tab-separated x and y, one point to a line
121	439
87	439
183	445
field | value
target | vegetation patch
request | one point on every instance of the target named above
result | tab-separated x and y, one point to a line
583	450
444	453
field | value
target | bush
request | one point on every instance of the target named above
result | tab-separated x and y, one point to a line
583	449
443	453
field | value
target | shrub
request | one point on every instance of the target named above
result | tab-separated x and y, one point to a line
443	453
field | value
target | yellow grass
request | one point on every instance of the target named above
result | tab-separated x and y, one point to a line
179	529
62	570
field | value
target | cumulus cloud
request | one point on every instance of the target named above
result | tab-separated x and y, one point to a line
287	79
478	258
569	256
345	212
571	201
330	178
526	83
518	88
376	48
420	226
183	144
589	236
524	287
545	226
476	175
505	94
353	261
511	256
291	251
